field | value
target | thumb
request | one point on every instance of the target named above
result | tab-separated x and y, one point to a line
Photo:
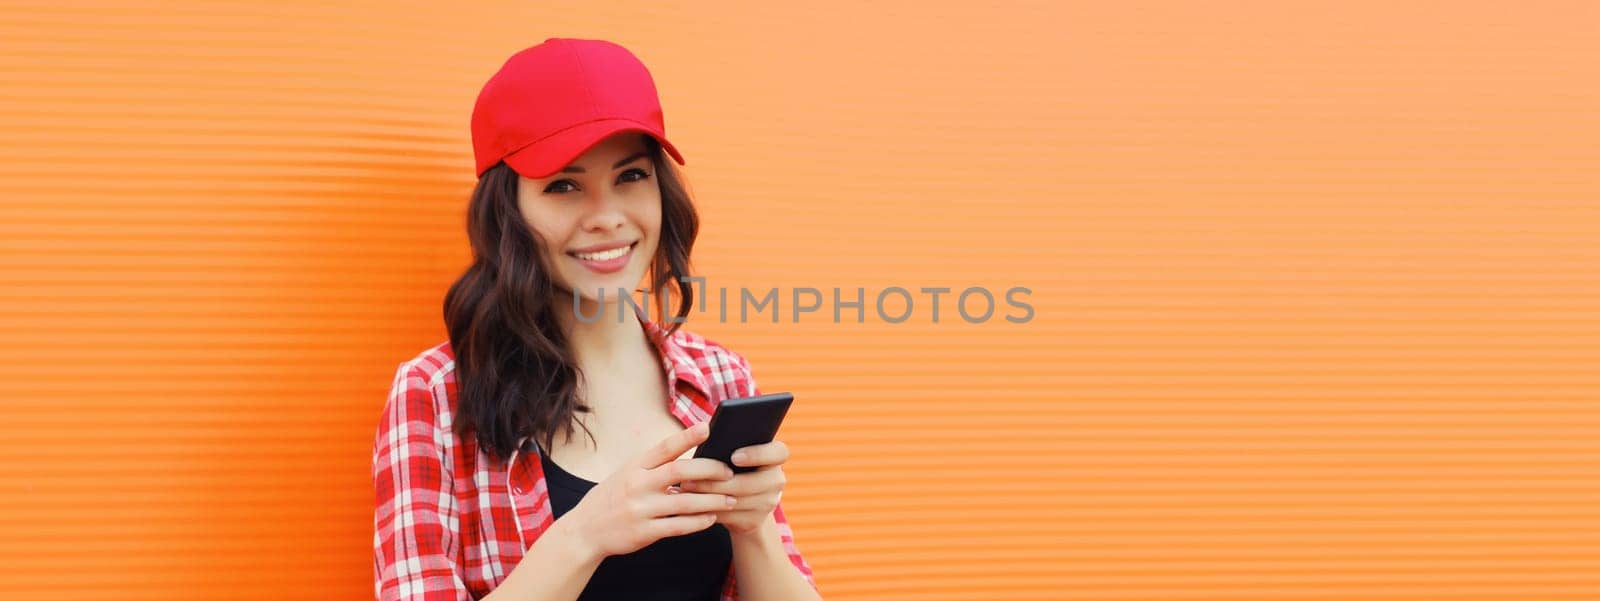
672	447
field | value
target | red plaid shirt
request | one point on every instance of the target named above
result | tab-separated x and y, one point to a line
450	523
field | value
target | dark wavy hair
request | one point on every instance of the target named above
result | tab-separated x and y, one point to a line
516	375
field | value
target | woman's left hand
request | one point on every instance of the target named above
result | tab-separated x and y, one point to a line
757	492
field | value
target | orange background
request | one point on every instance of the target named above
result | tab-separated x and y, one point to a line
1315	285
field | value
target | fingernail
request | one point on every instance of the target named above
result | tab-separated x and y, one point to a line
740	456
732	501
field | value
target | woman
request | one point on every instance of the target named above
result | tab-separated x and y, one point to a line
543	451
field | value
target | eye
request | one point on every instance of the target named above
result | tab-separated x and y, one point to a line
555	187
562	186
642	175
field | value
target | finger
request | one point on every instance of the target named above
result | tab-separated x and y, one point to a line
725	487
772	453
741	485
762	502
684	470
687	503
674	446
680	525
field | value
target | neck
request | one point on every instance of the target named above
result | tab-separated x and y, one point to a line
601	340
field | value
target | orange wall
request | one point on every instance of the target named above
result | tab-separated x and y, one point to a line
1315	287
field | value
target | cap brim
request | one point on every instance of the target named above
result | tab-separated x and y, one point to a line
544	158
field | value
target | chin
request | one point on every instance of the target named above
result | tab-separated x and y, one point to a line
589	288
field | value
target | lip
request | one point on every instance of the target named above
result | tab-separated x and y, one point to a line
594	248
608	266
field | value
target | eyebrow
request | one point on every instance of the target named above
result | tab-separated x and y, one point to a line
634	157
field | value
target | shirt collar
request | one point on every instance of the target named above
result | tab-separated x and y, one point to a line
680	365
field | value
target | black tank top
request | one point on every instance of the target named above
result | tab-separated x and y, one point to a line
692	567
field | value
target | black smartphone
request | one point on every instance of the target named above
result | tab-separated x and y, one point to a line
739	423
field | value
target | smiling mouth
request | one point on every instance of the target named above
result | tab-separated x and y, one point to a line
604	255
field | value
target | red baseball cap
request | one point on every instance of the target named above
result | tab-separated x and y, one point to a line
550	103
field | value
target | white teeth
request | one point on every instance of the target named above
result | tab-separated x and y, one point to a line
604	255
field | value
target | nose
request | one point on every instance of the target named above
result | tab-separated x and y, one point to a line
603	211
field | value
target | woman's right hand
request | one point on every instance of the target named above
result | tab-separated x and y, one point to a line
633	507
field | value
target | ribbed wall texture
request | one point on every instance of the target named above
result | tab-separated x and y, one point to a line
1315	287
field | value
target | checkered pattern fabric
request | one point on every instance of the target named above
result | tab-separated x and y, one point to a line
450	524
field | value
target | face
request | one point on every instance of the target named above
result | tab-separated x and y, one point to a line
599	217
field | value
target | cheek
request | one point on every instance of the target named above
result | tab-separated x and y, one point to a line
651	224
549	233
550	228
541	215
648	216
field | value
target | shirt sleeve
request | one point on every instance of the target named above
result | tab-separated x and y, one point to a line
786	534
749	388
415	521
